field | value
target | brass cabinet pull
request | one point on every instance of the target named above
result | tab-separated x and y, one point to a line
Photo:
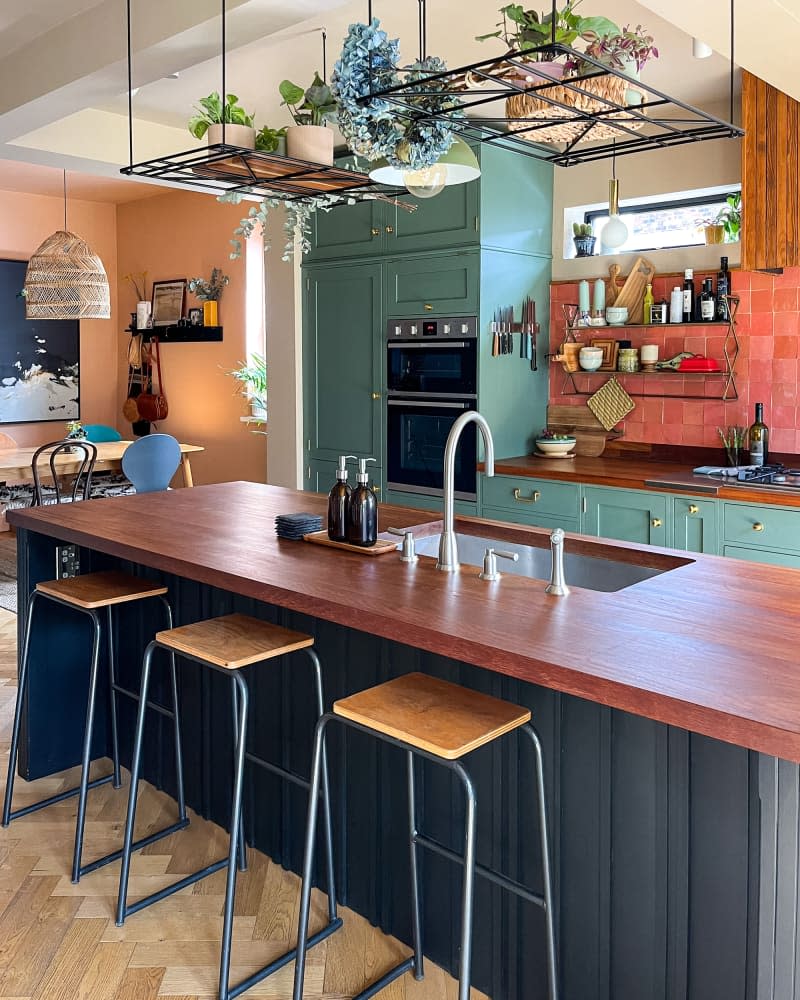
531	499
428	307
758	526
376	395
376	231
693	508
656	522
390	229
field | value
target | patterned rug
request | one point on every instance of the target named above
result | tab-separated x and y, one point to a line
8	571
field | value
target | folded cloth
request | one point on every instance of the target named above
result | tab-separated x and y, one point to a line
296	525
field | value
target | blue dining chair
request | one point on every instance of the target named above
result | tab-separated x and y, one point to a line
101	433
151	462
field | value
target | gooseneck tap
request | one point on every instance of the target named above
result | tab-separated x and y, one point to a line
448	549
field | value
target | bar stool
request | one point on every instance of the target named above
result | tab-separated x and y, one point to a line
226	645
89	594
442	722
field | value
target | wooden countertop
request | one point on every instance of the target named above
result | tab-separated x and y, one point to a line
637	474
710	646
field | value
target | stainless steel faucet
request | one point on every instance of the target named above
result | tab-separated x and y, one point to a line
448	549
557	585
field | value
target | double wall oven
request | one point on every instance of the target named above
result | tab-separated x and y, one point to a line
431	379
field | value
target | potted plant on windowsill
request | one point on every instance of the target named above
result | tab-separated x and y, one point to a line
210	114
253	384
309	139
725	226
583	238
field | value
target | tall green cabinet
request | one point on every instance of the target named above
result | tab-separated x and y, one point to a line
471	249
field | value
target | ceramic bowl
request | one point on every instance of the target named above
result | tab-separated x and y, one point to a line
551	447
590	358
617	315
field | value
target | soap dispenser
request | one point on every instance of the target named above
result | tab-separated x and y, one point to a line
338	499
362	509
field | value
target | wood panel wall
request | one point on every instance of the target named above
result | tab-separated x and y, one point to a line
770	176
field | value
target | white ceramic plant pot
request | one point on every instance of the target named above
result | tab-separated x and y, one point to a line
144	311
632	96
313	143
242	136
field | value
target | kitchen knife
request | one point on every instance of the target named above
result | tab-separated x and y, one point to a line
495	335
534	331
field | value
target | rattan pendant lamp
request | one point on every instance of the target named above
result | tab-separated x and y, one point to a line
66	279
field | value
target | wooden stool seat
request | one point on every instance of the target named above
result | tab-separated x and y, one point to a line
233	641
434	715
99	590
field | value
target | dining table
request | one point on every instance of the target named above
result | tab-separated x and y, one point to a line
16	463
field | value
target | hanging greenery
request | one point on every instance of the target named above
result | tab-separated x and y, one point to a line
376	128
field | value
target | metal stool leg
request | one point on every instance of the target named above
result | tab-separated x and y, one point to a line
235	841
326	792
308	856
135	763
176	721
22	684
112	693
416	922
86	760
241	848
549	915
467	892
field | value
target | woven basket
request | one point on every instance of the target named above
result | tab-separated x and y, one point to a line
66	279
570	121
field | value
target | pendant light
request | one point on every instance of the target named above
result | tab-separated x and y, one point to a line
614	233
458	165
66	279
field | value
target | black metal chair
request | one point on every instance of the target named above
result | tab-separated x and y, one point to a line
81	484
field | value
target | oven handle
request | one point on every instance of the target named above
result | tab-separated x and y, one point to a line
432	405
417	346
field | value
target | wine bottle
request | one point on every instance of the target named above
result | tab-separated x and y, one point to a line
723	289
688	295
758	438
708	303
647	305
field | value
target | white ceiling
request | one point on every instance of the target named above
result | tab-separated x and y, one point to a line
23	23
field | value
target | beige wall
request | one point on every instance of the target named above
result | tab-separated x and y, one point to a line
183	234
27	220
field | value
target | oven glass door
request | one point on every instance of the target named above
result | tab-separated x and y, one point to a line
417	434
434	367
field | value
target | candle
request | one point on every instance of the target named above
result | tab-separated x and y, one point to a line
649	354
583	297
599	297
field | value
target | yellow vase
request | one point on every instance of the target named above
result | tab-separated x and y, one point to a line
210	317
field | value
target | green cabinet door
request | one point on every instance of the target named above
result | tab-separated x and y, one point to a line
694	525
444	283
348	231
342	362
448	220
626	515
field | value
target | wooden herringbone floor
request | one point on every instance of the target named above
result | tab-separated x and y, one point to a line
58	941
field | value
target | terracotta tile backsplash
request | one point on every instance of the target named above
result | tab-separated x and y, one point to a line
767	369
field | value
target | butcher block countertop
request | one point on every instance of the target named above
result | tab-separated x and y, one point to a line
637	474
710	646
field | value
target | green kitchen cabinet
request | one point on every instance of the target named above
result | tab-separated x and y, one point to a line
348	231
761	533
533	519
625	515
694	525
419	501
752	554
444	284
342	362
450	220
527	497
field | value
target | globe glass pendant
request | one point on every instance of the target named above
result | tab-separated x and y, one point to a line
614	233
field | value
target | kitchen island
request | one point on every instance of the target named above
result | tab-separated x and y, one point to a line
663	709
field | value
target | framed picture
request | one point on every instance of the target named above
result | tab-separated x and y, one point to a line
168	301
610	349
195	317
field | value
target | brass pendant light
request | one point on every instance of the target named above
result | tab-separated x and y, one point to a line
66	279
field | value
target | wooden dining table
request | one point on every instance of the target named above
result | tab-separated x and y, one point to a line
15	463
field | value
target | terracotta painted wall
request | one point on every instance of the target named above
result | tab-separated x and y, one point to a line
768	329
183	234
25	221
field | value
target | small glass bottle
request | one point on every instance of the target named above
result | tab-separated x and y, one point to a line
647	305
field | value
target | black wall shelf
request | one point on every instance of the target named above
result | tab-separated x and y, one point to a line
180	334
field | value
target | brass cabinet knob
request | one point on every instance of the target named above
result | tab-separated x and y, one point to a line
758	526
376	231
656	522
390	229
533	498
693	508
376	395
428	307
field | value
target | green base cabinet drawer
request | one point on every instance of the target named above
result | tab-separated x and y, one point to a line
758	524
419	501
694	525
446	283
532	519
625	515
787	559
529	496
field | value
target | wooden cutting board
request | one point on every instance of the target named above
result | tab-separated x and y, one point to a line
632	294
590	435
380	547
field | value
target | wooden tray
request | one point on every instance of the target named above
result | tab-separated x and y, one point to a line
378	549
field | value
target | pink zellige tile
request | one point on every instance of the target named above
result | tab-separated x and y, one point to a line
760	347
784	370
693	412
784	416
786	323
785	299
781	439
760	281
693	434
785	347
761	324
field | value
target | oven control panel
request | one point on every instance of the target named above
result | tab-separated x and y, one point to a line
432	328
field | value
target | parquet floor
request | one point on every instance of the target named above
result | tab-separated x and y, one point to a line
58	941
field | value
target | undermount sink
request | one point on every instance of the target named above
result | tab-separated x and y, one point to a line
579	570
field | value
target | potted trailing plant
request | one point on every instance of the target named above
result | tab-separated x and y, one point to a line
627	51
583	238
252	378
309	139
209	292
210	113
271	140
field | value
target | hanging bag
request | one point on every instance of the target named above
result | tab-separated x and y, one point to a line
135	378
153	405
